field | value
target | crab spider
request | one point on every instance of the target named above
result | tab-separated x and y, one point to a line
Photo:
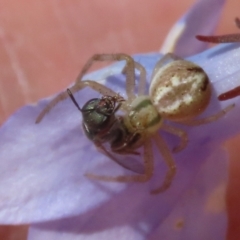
179	91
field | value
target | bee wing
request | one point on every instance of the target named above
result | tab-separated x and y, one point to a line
128	162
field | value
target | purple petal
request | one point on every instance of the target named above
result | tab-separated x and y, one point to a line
201	211
43	166
202	19
198	213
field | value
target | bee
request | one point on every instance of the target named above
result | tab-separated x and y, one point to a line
101	124
180	91
227	38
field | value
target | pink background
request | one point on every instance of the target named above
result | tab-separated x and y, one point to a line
43	45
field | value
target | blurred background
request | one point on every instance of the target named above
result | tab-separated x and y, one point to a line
43	45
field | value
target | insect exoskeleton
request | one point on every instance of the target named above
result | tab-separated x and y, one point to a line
180	90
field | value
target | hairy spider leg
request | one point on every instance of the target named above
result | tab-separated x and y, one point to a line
178	132
149	167
165	59
212	118
165	152
142	77
130	78
78	86
129	72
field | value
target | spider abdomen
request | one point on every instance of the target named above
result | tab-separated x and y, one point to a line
180	90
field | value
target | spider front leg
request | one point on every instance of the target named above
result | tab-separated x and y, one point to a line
178	132
129	72
164	150
94	85
165	59
142	78
212	118
75	88
148	169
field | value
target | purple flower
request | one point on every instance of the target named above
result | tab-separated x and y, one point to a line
43	166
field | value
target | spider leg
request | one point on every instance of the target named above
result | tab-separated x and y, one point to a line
94	85
212	118
148	169
142	78
130	74
178	132
164	150
166	58
77	87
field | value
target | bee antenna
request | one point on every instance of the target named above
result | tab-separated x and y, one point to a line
73	99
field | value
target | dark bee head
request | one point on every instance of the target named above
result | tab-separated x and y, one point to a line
97	113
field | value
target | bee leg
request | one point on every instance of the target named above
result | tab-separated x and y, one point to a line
148	169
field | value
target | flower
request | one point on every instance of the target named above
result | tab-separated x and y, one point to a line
45	165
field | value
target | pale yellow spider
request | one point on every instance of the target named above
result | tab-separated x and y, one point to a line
179	91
